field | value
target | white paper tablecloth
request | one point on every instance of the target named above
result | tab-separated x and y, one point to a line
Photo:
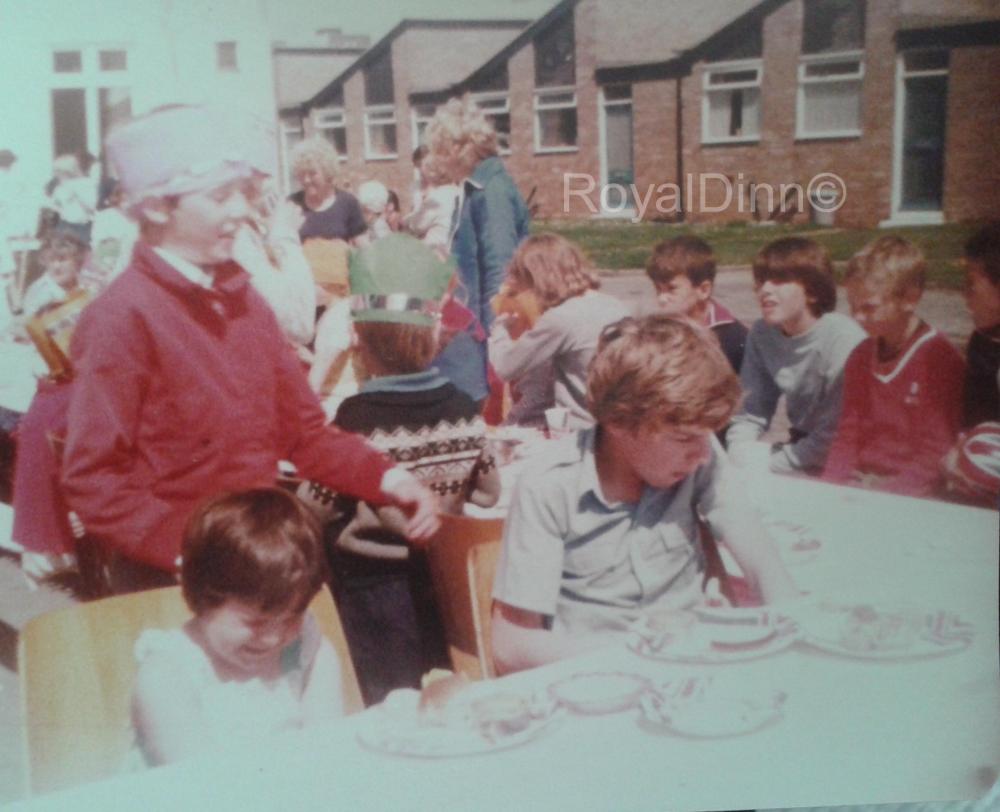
853	731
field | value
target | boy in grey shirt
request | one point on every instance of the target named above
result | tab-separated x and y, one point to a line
798	349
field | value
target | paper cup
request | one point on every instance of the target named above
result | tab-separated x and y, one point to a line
557	420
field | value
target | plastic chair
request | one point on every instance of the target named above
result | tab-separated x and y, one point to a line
463	556
76	669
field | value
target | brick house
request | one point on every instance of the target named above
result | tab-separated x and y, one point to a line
300	72
899	98
366	112
716	111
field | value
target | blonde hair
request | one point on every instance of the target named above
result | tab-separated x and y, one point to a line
553	267
658	371
458	137
316	153
890	264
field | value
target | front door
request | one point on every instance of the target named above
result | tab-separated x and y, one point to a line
617	166
921	115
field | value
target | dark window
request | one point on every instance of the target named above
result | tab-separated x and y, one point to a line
378	80
833	25
112	60
746	42
555	55
336	99
69	121
496	81
67	61
225	56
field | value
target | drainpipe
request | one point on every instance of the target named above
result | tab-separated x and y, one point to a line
679	124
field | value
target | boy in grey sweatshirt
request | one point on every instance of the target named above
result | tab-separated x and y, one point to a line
797	349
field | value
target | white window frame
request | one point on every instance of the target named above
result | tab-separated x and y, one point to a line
416	119
899	216
331	118
287	130
91	80
708	89
380	115
855	77
492	104
541	105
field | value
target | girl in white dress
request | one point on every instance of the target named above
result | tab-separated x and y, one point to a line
251	662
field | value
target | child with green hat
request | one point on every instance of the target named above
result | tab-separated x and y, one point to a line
416	416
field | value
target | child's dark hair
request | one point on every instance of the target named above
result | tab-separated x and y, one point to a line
984	247
687	255
258	546
61	239
399	349
798	259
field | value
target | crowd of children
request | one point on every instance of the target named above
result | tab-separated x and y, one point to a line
201	365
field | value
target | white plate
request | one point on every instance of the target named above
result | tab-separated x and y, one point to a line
698	708
697	644
396	728
873	632
600	692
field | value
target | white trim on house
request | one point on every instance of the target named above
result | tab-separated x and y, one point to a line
495	103
418	118
708	88
853	77
384	115
329	119
898	216
627	212
540	105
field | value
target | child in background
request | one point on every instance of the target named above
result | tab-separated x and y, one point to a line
63	257
417	417
798	349
573	312
981	395
393	212
606	526
432	217
251	662
902	385
683	272
374	197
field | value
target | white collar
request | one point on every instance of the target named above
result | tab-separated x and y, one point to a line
188	270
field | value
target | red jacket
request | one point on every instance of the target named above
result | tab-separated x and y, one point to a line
900	418
182	393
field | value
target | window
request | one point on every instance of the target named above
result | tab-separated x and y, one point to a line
380	133
731	102
67	62
496	108
90	95
112	60
291	134
331	123
378	81
829	103
555	57
832	26
555	120
420	116
225	56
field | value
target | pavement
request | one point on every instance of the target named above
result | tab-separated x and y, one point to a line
19	602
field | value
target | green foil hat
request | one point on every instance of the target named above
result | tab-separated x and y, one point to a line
398	279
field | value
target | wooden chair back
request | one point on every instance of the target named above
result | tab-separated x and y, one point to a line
462	557
77	667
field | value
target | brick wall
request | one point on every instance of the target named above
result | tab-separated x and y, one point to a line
972	156
779	158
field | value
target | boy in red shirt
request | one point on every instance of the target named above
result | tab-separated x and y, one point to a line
902	385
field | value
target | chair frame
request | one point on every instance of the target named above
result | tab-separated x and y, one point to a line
462	557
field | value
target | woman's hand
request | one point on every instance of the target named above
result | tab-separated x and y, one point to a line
420	504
